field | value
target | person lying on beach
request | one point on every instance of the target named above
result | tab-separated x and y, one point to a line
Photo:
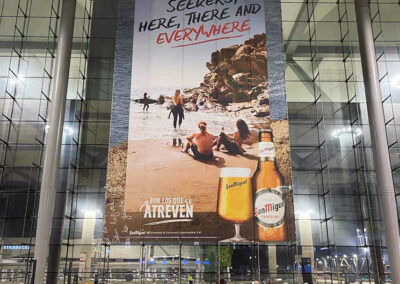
233	143
200	143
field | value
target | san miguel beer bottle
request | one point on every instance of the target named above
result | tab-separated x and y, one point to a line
269	203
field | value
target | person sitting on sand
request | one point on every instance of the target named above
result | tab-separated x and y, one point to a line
233	143
200	143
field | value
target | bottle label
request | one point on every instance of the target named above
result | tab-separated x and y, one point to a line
266	150
269	207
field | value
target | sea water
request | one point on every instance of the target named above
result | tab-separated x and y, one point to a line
157	123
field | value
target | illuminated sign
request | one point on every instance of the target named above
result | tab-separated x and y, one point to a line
16	247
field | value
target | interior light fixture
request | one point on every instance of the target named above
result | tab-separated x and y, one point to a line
338	132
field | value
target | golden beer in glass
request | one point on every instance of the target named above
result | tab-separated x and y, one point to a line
235	202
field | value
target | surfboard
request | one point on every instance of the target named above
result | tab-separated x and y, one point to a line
150	101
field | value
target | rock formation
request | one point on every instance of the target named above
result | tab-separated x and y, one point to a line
237	80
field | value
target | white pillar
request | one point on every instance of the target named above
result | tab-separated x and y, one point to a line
384	177
54	138
89	222
306	238
272	261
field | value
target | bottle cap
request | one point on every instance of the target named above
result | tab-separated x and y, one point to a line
265	133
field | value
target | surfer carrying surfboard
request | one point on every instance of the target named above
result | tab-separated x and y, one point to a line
145	102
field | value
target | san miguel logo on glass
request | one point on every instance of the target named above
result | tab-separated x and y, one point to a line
269	203
236	184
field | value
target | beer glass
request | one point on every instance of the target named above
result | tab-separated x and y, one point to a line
235	202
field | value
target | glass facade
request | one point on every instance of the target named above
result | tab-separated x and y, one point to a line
338	219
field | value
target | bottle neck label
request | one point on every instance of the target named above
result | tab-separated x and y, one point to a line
269	207
266	150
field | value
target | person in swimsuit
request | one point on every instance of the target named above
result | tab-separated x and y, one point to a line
177	108
200	143
233	143
145	102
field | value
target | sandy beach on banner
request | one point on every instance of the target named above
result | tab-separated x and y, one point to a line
156	169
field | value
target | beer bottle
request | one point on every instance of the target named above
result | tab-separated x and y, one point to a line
269	203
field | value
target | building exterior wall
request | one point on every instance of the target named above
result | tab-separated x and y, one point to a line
338	222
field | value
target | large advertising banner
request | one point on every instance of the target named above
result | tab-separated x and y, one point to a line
204	150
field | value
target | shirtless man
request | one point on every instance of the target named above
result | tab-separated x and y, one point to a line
200	143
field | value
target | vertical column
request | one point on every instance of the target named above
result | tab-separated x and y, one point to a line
272	263
180	263
306	237
89	223
384	178
54	138
141	262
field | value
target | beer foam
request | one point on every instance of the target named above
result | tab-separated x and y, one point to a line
235	172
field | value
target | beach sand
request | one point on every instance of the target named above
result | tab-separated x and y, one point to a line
155	168
154	163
